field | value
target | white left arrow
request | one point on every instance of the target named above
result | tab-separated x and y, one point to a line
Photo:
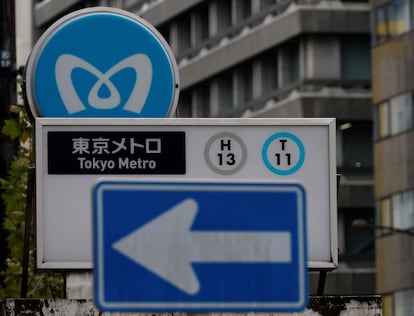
166	246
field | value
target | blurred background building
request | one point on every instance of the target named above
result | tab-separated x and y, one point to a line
392	90
303	58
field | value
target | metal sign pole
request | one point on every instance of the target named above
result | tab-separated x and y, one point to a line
30	203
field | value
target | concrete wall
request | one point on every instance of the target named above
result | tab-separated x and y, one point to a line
394	170
392	67
323	57
320	104
395	257
323	305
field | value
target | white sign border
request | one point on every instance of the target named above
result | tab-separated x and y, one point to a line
40	123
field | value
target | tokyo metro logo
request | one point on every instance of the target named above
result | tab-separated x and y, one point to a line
102	63
139	63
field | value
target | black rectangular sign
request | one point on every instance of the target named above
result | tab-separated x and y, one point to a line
116	152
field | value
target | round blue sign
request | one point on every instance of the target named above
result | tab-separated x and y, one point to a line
102	62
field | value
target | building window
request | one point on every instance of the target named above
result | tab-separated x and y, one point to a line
394	116
400	303
357	156
266	3
269	72
243	10
383	120
387	305
355	58
403	210
224	19
184	107
292	52
165	32
202	100
225	87
244	83
384	213
393	19
184	33
411	5
401	113
201	23
380	24
404	302
398	17
359	243
396	211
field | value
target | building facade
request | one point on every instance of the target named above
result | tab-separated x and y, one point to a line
393	65
277	58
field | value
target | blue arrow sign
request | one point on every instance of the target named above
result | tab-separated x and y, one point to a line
163	246
102	62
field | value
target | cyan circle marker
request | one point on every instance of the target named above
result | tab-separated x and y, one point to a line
273	166
102	62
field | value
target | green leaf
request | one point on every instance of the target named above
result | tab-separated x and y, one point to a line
11	128
14	191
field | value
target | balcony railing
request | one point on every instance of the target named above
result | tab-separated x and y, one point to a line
299	85
234	30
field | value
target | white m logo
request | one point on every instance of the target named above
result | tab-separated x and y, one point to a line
67	63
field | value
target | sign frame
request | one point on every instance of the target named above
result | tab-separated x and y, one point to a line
173	124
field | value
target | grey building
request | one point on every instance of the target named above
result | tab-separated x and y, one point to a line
392	90
277	58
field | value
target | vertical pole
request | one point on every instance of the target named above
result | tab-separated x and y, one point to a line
321	283
7	97
30	202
